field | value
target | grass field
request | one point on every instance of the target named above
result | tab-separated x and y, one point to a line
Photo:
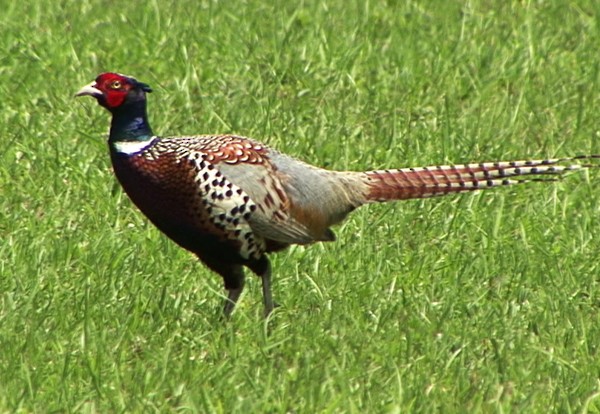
484	302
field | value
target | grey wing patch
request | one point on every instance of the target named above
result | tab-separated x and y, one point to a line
271	220
228	207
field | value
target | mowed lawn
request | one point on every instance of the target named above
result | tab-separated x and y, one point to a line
485	302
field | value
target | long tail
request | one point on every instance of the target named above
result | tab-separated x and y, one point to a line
407	183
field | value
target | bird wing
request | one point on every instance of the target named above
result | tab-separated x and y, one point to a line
272	218
250	179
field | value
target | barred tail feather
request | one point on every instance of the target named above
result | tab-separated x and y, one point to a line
407	183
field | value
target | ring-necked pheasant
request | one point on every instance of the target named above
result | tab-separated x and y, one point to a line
231	200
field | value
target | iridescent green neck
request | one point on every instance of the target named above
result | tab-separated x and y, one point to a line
130	123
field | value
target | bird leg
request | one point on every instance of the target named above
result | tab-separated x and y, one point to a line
233	295
266	289
233	276
262	268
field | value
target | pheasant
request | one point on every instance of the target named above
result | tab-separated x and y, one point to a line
230	200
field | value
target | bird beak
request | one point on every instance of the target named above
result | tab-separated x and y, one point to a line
89	90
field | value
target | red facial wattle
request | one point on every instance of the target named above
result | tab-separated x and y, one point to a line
113	96
114	99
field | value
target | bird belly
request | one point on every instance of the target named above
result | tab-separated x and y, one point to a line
168	197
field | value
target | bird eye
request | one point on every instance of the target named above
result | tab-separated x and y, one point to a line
115	85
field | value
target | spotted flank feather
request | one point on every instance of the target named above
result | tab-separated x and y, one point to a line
228	207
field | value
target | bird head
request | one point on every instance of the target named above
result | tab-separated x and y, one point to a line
114	91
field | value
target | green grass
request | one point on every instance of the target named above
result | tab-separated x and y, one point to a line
477	303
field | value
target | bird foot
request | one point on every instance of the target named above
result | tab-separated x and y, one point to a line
269	309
